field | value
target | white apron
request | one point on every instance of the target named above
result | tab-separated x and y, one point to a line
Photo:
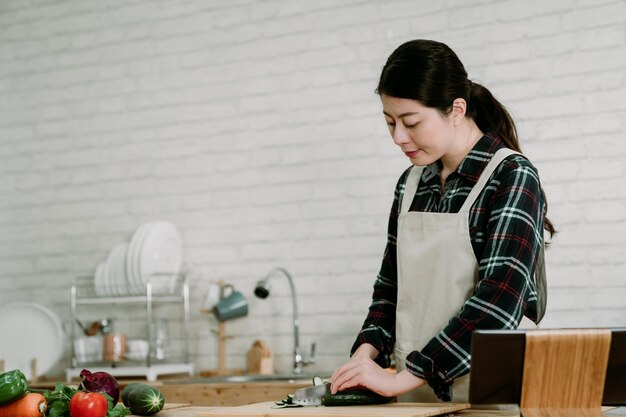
437	273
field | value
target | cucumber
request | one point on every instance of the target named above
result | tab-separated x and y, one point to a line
142	399
318	381
354	397
13	386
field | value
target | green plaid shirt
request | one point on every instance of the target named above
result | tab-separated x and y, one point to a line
506	231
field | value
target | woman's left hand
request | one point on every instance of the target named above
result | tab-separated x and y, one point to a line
364	372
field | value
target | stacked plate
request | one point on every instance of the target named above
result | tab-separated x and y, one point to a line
154	255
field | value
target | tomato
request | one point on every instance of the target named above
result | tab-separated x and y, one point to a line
88	404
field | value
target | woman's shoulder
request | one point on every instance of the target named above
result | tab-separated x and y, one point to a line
516	166
516	161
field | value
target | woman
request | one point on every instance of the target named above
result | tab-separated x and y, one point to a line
465	241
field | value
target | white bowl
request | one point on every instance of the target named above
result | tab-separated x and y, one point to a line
88	348
137	349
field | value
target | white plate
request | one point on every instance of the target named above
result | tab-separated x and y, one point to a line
106	279
130	274
117	268
120	253
132	259
30	331
161	253
141	282
98	280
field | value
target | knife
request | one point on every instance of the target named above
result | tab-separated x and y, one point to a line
311	395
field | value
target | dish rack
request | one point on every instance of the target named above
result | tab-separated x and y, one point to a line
83	296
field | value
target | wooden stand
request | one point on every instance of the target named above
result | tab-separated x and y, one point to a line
564	372
34	375
221	334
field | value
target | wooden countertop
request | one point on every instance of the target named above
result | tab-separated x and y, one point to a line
184	410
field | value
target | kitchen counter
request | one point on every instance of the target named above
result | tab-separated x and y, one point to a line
191	398
185	410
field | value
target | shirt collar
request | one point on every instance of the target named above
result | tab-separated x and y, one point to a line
474	162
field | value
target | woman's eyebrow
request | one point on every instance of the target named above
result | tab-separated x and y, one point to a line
409	113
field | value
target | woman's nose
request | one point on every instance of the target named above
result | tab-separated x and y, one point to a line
400	135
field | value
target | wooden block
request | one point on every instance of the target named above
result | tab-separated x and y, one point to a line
564	369
260	359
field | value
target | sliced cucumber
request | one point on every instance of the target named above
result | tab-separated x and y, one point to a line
318	381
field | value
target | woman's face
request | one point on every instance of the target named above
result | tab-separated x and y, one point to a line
423	133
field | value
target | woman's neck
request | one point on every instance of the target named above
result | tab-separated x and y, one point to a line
468	135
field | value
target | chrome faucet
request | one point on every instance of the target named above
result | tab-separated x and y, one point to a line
262	290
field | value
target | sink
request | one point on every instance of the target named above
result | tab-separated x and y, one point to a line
246	378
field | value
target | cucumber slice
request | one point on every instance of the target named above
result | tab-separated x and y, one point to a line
318	381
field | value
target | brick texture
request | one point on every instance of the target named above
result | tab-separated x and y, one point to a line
254	127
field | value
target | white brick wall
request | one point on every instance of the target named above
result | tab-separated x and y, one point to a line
253	126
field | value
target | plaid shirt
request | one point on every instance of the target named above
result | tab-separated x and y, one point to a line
506	232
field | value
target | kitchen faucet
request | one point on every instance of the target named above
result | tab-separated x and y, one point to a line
262	291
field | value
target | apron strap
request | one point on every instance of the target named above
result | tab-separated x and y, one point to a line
410	188
495	161
540	266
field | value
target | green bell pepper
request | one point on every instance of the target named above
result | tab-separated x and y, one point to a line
13	385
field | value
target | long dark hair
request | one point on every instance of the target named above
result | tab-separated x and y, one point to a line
431	73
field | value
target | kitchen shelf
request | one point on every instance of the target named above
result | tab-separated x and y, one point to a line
83	295
150	372
127	299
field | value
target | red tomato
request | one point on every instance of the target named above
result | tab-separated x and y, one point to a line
88	404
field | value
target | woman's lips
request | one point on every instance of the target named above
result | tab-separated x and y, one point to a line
410	154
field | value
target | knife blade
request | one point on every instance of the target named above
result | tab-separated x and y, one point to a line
311	395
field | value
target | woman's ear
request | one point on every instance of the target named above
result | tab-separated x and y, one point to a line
459	108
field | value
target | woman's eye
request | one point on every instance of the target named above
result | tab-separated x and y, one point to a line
413	125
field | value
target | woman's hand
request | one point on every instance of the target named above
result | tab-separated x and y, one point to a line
362	371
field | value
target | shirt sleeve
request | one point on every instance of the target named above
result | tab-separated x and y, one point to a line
380	323
513	238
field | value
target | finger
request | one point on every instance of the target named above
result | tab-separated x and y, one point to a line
348	379
337	374
353	382
342	370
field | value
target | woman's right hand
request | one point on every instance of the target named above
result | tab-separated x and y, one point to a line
364	355
362	371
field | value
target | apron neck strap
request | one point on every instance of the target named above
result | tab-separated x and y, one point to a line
496	159
410	188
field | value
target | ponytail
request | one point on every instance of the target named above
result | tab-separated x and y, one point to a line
491	116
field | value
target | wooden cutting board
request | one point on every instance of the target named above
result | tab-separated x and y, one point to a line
387	410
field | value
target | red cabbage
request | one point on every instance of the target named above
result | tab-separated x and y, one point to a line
100	382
